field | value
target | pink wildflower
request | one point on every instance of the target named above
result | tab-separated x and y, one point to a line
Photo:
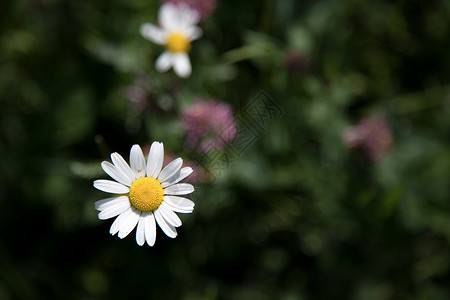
138	93
204	7
208	125
295	61
372	135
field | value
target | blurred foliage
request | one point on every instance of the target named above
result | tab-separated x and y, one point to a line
294	216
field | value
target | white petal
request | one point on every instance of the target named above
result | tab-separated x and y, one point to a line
179	189
164	61
155	159
137	161
122	165
179	204
140	232
104	203
110	186
178	210
171	169
168	229
116	173
182	65
119	221
149	228
130	223
183	16
188	17
193	32
169	215
177	177
167	16
153	33
114	209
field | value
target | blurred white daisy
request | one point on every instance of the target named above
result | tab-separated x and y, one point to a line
144	193
177	29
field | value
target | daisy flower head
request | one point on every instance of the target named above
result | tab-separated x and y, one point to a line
177	29
144	194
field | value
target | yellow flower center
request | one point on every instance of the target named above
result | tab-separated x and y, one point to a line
146	194
177	42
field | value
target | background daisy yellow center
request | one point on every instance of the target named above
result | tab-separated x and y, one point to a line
146	194
177	42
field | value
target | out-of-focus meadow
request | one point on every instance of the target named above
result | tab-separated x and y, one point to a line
336	184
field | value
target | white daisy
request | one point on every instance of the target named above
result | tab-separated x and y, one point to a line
144	193
176	32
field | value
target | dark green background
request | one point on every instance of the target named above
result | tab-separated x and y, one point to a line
294	216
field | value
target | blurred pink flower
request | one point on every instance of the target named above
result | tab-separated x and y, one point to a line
295	61
208	125
204	7
372	135
138	93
